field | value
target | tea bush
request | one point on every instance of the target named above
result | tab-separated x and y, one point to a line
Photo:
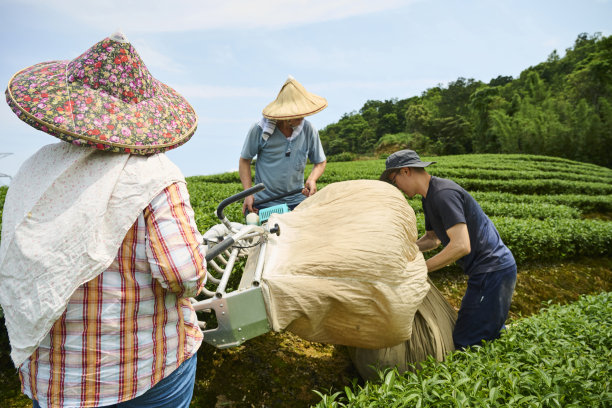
482	166
523	174
539	211
582	202
536	202
232	177
535	186
536	227
554	239
558	358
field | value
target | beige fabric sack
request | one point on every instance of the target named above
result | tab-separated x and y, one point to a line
432	335
345	268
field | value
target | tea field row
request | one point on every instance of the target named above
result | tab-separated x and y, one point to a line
558	358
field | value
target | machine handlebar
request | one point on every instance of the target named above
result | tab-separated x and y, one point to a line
236	197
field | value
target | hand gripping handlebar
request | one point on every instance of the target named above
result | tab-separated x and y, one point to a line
232	199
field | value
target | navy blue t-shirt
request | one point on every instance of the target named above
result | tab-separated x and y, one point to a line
448	204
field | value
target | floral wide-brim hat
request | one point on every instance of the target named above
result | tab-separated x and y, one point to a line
105	98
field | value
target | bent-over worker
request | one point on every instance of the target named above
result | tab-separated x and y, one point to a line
454	219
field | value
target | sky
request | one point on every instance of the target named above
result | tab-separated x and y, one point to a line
230	58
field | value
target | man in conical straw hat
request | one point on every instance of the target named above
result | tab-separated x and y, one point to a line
100	251
283	141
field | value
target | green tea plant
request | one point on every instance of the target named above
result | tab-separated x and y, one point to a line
536	186
525	210
537	208
540	211
206	196
523	174
583	202
482	166
558	358
232	177
538	240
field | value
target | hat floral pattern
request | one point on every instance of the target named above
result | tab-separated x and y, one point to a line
106	99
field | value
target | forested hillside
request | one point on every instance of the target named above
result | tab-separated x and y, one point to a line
561	107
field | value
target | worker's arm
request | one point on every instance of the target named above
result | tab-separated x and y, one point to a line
176	257
457	248
310	186
244	170
428	241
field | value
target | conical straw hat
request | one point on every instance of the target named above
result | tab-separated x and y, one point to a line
105	99
294	101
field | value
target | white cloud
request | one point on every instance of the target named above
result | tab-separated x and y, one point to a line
187	15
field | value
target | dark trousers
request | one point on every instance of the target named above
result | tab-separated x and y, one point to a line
484	307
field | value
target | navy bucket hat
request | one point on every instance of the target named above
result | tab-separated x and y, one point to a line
401	159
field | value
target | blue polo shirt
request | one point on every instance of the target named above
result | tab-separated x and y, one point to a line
448	204
280	163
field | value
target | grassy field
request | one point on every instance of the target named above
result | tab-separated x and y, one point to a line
554	214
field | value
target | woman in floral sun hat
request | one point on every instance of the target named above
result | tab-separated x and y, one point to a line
99	251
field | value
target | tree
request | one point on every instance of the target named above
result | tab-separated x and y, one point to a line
455	135
418	118
481	103
455	98
586	126
503	126
501	80
560	107
592	78
602	154
536	88
388	124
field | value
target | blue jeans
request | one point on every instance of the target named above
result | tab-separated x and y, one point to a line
484	307
174	391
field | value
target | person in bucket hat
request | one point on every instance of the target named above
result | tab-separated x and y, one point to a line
454	219
283	141
100	251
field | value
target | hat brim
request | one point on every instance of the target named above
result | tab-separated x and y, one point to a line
293	102
297	115
385	174
42	97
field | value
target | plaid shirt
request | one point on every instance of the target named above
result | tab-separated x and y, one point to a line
131	326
